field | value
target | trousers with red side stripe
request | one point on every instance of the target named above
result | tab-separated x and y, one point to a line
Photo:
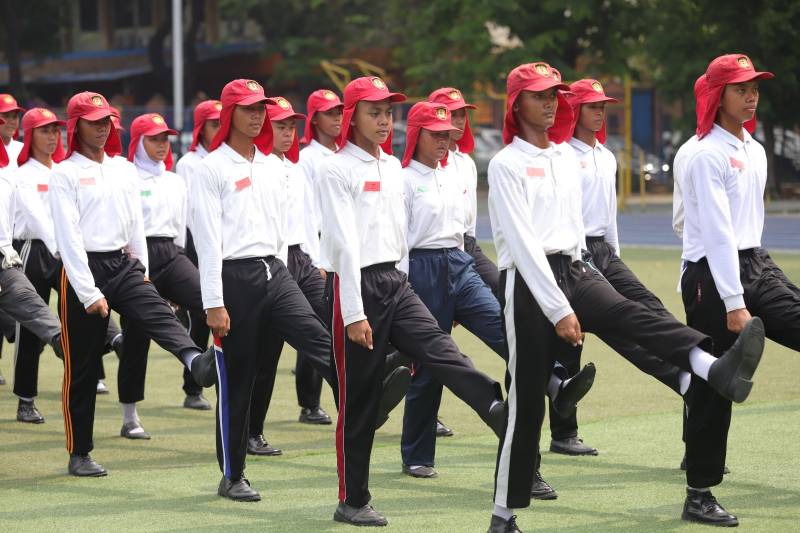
397	316
83	336
264	304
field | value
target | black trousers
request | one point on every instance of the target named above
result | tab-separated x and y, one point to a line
627	284
396	315
533	342
487	270
308	381
178	281
83	336
768	294
264	304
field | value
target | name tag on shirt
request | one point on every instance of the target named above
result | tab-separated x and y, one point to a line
535	172
372	186
146	193
41	187
735	163
86	182
243	183
422	188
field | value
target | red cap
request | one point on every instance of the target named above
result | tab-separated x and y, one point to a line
281	110
3	153
116	118
242	92
722	71
534	77
90	106
148	125
9	103
370	89
583	91
35	118
204	111
454	100
429	116
320	100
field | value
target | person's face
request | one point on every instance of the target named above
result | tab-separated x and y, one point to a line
739	101
592	116
458	119
283	132
209	130
156	146
45	139
249	119
12	124
432	145
93	134
373	120
537	109
328	122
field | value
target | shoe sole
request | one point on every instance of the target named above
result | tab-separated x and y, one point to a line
571	453
741	383
340	518
198	407
443	434
247	499
132	436
37	421
327	422
410	473
276	453
99	474
578	387
545	497
689	518
395	387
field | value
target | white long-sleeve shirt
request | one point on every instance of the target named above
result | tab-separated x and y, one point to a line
95	208
723	198
361	202
435	207
535	210
598	173
238	210
13	149
312	159
32	217
464	167
7	208
164	205
682	156
188	163
301	222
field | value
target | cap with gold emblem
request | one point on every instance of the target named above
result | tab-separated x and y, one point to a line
204	111
242	92
536	77
36	118
148	125
90	106
282	110
425	116
320	100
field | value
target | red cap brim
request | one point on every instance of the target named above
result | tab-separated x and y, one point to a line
96	114
440	127
254	99
544	84
377	96
287	114
750	75
594	98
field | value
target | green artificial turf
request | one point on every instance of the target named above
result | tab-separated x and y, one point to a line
169	483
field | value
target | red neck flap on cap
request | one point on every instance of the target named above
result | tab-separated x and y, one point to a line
281	110
242	92
3	153
583	91
371	89
429	116
708	88
90	106
36	118
454	100
319	100
534	77
148	125
203	112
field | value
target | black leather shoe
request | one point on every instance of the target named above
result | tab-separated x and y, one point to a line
702	507
204	368
731	375
55	344
571	446
129	431
498	417
725	470
27	412
420	471
196	401
258	446
314	415
540	490
573	390
395	386
84	466
238	490
501	525
359	516
442	430
394	360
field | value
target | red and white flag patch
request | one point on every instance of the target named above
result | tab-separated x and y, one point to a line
372	186
243	183
735	163
535	172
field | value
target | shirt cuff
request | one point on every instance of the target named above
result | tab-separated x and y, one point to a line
560	313
356	317
92	299
212	303
732	303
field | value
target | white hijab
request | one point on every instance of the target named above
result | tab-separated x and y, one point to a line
144	164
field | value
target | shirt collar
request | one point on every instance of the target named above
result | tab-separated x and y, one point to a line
321	147
419	168
84	162
200	150
354	150
236	157
581	146
724	135
535	151
36	165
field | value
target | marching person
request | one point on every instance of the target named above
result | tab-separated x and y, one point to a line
444	276
163	198
361	201
550	296
100	235
10	112
727	276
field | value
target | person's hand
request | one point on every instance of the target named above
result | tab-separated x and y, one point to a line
218	320
100	307
737	319
323	273
569	329
360	333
